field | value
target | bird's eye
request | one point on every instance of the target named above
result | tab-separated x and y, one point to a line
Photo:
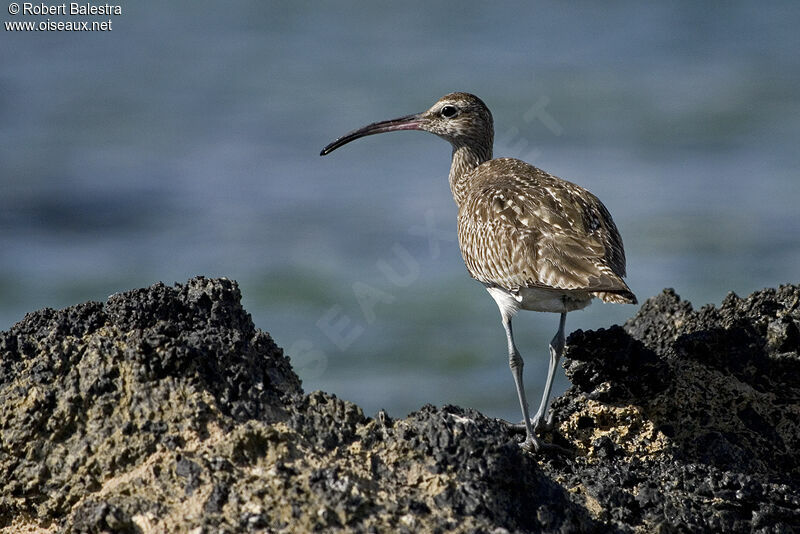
448	112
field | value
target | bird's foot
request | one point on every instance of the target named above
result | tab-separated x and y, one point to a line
542	424
534	445
515	427
546	448
531	444
538	425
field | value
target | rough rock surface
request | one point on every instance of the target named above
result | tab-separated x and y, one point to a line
165	410
688	421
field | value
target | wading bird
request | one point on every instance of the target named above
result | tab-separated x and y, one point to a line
535	241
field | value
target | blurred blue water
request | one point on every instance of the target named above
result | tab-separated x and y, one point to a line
185	142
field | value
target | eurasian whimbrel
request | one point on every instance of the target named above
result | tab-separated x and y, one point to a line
535	241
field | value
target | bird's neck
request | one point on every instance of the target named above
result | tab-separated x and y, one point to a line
465	159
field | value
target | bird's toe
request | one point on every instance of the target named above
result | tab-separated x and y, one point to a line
514	427
531	444
544	424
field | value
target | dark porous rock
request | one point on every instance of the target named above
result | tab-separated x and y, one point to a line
94	392
165	410
687	420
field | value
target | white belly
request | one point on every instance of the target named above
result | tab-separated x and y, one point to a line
542	300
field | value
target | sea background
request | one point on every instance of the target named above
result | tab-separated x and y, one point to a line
185	141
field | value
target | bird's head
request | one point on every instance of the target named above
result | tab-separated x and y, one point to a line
460	118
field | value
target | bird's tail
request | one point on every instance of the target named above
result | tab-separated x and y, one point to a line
624	296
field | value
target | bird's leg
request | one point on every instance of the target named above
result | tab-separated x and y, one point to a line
540	420
515	363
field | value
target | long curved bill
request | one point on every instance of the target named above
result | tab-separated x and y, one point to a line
409	122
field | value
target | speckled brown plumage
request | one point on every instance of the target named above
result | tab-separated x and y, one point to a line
519	226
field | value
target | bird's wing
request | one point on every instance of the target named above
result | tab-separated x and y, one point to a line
521	227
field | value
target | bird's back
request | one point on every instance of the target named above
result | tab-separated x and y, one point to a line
520	227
